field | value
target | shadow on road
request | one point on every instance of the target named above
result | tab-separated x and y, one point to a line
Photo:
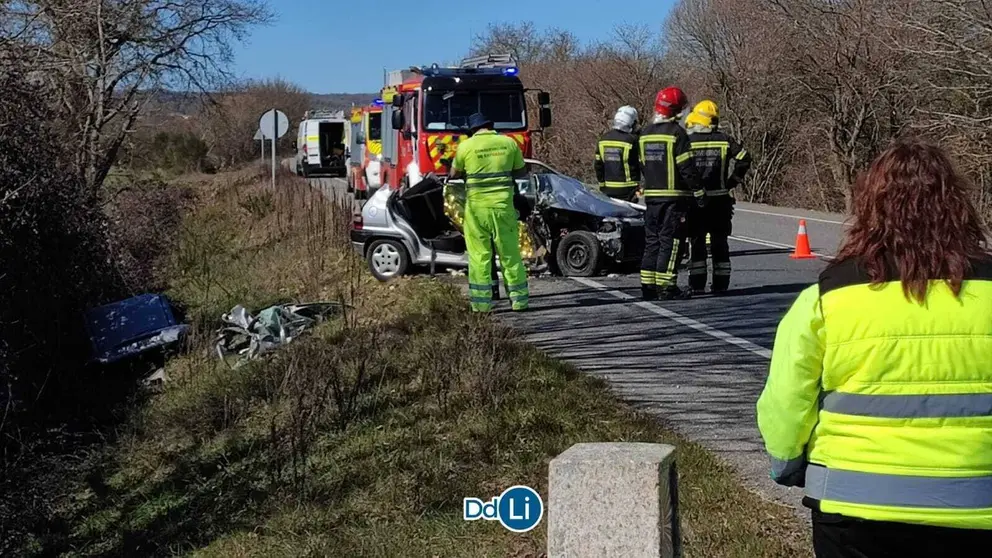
759	252
788	288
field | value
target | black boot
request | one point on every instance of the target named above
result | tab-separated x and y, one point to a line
649	292
675	293
720	284
697	284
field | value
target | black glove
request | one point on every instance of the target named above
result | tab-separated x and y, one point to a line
522	205
795	478
700	198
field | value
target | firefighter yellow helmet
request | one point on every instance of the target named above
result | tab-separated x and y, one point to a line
704	114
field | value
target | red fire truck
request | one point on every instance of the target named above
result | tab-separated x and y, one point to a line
428	113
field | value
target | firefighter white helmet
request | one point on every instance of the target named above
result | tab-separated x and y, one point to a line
625	118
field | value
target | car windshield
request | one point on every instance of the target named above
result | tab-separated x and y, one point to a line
375	126
563	192
450	110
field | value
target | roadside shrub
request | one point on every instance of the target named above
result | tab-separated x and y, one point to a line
64	249
54	259
146	218
175	152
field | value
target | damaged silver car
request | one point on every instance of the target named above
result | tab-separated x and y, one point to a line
579	230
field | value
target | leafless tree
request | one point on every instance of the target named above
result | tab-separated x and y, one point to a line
100	59
951	92
228	125
731	52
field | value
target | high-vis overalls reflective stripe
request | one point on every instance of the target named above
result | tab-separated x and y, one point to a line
886	403
488	161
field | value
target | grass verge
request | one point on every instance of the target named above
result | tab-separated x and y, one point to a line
362	438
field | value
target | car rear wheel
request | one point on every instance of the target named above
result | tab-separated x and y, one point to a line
387	259
578	254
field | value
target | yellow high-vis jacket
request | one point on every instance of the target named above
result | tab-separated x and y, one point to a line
882	407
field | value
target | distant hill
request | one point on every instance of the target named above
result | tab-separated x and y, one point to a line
184	104
340	101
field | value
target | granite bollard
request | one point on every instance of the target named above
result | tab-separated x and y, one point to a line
614	499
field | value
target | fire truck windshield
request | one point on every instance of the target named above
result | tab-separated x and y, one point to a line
450	110
375	126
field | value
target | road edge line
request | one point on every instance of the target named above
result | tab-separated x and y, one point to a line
770	244
796	217
680	319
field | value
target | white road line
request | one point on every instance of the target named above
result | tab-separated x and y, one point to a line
796	217
770	244
680	319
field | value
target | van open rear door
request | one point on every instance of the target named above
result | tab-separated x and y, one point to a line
313	143
332	147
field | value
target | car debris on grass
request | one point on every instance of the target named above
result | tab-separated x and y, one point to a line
247	337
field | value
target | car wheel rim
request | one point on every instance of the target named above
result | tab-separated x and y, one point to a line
577	256
386	260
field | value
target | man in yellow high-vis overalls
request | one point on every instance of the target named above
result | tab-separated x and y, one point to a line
490	163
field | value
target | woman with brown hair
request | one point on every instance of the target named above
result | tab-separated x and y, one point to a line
879	396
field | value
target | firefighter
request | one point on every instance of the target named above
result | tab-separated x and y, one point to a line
722	164
618	168
671	189
490	163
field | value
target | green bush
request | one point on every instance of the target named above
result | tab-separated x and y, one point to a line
172	152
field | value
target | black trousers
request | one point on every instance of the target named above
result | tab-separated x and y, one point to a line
837	536
665	232
716	220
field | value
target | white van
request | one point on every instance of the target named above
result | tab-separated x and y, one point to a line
322	144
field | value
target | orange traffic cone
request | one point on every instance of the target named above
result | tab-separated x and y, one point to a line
802	251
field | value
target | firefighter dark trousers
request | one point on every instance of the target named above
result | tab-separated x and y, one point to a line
665	232
715	220
836	536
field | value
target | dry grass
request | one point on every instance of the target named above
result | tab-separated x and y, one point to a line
361	439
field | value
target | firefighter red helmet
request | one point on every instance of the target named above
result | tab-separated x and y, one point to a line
670	102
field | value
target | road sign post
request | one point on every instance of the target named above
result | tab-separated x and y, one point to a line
261	140
273	125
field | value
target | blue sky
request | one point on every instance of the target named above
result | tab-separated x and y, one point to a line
321	45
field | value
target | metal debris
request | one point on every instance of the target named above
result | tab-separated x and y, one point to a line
248	337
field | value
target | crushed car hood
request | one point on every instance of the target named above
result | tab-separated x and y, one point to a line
562	192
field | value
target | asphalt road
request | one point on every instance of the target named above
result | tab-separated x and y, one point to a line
698	364
334	188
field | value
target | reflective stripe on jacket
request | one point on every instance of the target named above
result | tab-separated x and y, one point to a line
488	160
617	160
666	162
883	403
720	161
